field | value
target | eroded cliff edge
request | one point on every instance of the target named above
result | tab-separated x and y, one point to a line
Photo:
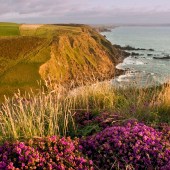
81	56
65	53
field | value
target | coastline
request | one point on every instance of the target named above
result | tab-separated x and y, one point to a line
147	60
119	72
124	54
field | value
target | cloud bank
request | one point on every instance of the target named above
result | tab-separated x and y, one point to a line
85	11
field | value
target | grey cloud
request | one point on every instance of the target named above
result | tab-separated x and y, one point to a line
48	11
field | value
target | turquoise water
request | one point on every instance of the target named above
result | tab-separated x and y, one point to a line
144	69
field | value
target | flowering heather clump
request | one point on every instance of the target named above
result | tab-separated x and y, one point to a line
165	129
49	153
133	144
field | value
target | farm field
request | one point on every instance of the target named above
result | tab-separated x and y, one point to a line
9	29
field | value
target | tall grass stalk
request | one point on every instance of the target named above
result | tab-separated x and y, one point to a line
52	110
36	115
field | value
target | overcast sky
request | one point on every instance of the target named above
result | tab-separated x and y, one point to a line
86	11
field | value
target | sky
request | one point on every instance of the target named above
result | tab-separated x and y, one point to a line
86	11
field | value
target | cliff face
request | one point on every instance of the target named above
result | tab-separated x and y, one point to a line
80	57
65	53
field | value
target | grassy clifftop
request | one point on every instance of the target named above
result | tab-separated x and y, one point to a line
61	52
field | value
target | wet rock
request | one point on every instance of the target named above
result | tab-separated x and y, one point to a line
149	54
134	54
151	49
121	51
129	48
162	58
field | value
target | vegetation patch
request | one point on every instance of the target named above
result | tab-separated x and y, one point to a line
118	128
92	113
132	146
49	153
9	29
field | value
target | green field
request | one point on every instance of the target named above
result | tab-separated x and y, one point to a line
9	29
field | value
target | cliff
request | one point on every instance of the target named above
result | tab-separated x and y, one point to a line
65	53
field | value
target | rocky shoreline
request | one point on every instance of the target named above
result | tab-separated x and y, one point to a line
124	55
162	58
129	48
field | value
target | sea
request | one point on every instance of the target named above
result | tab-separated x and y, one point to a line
143	69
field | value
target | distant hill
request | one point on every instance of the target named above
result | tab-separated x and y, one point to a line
62	52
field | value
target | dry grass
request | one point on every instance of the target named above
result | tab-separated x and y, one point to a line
36	115
165	94
30	26
51	111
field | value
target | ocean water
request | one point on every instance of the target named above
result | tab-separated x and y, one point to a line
143	69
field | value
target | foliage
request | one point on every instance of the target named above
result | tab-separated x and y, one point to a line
44	114
133	144
55	110
49	153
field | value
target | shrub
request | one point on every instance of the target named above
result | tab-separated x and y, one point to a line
49	153
133	144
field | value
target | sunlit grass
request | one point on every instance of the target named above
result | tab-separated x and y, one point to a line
52	110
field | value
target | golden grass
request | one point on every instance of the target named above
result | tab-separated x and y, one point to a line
51	111
165	94
36	115
30	26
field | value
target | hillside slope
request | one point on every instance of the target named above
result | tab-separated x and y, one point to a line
62	52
